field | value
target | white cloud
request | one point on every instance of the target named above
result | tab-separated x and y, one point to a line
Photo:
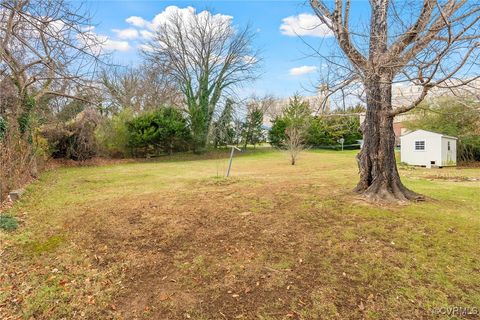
99	43
298	71
127	34
88	28
145	47
147	28
185	14
304	24
137	21
115	45
147	34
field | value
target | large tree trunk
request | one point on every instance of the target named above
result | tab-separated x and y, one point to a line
379	178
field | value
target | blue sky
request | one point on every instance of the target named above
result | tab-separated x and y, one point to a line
281	53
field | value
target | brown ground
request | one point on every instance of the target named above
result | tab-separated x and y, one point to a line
273	242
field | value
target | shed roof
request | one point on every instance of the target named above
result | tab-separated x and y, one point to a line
440	134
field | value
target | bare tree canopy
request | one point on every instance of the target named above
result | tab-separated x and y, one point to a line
142	88
207	57
429	43
46	47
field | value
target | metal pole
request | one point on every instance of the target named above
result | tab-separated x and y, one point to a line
230	162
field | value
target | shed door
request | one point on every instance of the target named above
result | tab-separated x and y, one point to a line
450	157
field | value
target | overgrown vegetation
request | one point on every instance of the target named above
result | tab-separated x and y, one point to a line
74	139
3	127
112	135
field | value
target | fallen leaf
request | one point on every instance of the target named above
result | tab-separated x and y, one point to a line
163	297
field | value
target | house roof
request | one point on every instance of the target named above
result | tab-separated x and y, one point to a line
440	134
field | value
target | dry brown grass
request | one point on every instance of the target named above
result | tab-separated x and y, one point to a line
171	240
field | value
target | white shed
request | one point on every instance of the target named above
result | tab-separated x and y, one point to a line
426	148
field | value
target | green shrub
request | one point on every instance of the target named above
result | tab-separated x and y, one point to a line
276	135
113	135
162	131
321	132
8	223
26	117
468	148
326	131
3	127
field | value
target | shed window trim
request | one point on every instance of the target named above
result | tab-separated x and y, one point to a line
419	145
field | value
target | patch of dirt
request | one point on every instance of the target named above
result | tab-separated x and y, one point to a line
198	255
97	161
450	178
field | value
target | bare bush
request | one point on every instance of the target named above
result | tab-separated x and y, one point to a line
75	139
297	118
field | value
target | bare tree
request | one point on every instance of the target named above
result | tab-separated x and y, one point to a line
207	57
46	49
142	88
429	43
265	103
297	117
294	143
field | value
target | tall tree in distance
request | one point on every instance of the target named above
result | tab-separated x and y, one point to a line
427	44
253	131
207	57
142	88
224	132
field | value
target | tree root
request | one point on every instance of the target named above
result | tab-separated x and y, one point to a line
387	191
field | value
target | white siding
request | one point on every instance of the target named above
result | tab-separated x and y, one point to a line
449	157
432	152
436	149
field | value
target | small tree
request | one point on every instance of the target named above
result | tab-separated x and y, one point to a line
113	135
297	117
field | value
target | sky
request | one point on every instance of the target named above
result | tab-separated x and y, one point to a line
288	66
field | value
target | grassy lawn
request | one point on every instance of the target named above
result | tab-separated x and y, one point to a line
172	239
